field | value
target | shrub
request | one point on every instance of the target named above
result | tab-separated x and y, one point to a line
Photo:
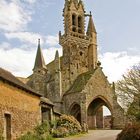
130	132
60	132
66	125
41	132
42	129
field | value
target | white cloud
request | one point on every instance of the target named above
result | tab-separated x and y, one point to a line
27	37
12	16
30	1
52	40
116	64
30	37
20	62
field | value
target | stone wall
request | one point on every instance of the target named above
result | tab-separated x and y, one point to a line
22	106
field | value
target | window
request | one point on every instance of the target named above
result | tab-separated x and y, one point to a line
74	20
46	114
80	24
80	21
8	126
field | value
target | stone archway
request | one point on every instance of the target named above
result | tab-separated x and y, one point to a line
75	110
95	118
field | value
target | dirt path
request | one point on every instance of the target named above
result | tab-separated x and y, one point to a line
96	135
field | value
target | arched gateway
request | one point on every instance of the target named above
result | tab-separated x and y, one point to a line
85	99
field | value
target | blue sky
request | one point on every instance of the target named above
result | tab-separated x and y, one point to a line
22	22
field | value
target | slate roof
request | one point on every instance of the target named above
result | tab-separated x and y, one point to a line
80	82
10	78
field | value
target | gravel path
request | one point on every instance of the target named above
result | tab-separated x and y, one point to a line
96	135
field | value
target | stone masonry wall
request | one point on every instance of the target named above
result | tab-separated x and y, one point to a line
23	107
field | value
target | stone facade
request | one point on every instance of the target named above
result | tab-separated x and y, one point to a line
23	108
75	82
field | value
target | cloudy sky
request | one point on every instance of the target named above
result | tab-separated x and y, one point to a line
22	22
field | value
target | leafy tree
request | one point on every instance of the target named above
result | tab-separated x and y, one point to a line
129	91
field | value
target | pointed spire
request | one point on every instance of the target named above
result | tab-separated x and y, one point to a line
39	61
57	61
91	27
56	54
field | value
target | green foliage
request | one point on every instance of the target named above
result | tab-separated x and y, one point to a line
131	132
128	90
67	125
42	129
41	132
60	132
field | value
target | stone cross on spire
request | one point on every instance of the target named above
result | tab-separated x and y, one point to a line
91	27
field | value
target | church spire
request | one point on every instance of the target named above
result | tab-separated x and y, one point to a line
39	61
91	27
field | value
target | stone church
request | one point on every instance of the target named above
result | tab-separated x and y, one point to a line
72	84
75	82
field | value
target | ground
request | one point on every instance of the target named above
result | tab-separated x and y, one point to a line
96	135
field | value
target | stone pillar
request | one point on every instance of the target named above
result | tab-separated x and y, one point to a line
99	118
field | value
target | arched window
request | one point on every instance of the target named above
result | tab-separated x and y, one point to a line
79	24
74	19
80	21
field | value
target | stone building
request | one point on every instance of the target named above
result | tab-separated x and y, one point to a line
21	108
75	82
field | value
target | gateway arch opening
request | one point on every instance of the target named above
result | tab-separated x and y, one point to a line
75	110
99	114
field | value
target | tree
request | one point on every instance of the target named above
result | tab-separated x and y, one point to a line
128	90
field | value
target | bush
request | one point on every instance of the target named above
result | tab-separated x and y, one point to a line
60	132
41	132
130	132
66	125
42	129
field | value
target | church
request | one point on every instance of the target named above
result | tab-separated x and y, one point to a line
74	83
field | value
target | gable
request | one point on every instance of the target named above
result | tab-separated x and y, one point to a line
80	82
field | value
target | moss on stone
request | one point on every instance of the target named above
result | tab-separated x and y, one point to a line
80	82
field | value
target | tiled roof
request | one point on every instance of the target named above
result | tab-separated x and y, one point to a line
10	78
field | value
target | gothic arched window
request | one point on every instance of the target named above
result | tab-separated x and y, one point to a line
80	24
74	19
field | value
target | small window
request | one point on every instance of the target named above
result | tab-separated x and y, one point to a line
81	53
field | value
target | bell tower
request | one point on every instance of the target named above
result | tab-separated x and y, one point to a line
74	19
78	46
